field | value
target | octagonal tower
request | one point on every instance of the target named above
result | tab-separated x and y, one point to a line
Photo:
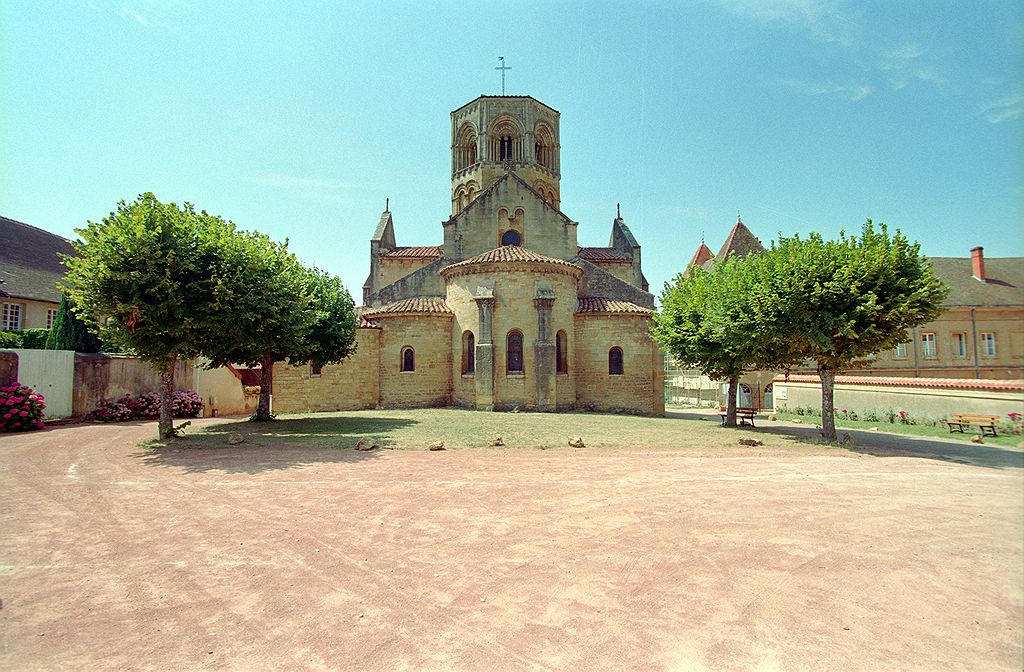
491	131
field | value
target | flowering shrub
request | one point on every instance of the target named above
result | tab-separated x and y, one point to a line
21	408
145	406
1015	424
114	411
186	404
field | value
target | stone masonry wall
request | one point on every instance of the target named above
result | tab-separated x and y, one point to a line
543	229
639	388
352	384
430	384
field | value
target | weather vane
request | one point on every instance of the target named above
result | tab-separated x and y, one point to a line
503	68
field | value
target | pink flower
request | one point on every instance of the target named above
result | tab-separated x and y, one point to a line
23	414
39	424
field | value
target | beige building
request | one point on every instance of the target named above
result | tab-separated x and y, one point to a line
30	268
509	311
981	332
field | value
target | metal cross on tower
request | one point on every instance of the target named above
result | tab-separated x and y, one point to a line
503	68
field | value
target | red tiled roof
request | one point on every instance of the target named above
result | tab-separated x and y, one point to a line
947	383
604	254
600	304
431	252
740	242
418	305
363	323
702	254
510	254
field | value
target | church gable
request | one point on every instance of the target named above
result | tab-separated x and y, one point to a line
509	212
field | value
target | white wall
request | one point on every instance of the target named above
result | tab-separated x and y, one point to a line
50	373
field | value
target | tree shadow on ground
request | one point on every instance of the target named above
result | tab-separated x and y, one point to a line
269	446
882	444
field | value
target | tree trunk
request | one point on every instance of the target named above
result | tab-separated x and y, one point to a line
166	423
730	403
828	413
266	388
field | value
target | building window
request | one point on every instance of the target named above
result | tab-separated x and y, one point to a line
561	358
514	352
988	344
928	345
468	352
959	345
51	315
511	238
315	370
505	143
615	361
900	352
408	359
11	317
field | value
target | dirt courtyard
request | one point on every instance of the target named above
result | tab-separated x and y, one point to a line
657	558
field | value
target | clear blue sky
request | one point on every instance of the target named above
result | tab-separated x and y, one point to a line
298	121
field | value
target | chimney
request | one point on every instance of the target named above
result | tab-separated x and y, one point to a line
978	264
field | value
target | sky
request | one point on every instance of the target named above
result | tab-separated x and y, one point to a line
299	119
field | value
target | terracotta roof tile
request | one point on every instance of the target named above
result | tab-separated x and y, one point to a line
509	254
604	254
935	383
418	305
431	252
362	322
600	304
702	255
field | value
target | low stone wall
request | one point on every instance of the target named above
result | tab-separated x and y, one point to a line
935	398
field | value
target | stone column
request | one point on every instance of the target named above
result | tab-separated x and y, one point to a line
484	374
544	351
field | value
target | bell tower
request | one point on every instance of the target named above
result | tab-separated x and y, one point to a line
493	134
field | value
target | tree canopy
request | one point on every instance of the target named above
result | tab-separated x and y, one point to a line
835	303
709	321
155	279
287	311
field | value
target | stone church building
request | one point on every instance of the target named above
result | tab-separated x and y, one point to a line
509	311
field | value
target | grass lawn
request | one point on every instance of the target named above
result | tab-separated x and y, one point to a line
940	431
416	429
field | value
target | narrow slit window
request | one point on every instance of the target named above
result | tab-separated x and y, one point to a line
514	352
408	359
615	361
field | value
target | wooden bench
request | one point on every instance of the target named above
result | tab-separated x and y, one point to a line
986	424
744	415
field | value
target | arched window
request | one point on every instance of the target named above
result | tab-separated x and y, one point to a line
468	352
511	238
465	149
514	352
506	139
408	359
544	147
615	361
561	356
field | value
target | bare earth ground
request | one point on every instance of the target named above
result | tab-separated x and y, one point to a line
690	554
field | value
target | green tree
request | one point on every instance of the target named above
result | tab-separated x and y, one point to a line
69	332
838	302
158	276
708	321
288	312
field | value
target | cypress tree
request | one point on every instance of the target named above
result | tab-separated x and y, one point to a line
69	332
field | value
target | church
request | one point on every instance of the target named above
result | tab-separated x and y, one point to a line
508	312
